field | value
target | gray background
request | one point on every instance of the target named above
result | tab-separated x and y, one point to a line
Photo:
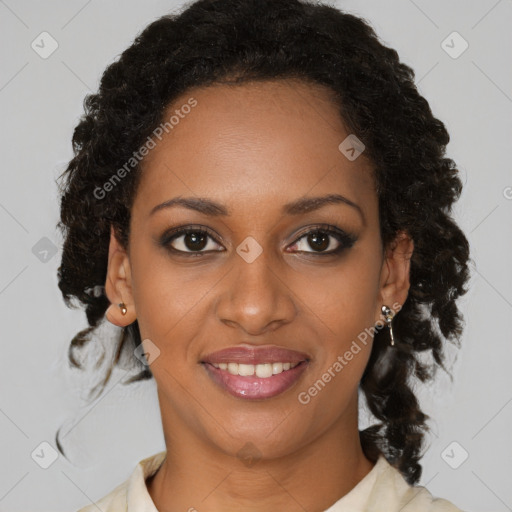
41	100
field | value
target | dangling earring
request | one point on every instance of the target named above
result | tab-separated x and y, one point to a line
124	310
388	315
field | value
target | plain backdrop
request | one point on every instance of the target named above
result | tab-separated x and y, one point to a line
469	456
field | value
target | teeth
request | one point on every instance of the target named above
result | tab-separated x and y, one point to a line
246	370
263	370
276	368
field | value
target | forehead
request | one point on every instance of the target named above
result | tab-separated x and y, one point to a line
256	142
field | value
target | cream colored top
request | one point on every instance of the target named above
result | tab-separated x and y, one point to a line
382	489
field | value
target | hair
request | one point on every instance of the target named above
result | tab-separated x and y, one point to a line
241	41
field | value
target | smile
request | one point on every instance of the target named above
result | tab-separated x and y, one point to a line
255	372
264	370
255	382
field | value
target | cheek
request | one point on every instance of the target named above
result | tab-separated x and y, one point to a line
342	305
164	294
172	298
344	297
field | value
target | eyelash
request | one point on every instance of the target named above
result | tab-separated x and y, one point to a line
345	240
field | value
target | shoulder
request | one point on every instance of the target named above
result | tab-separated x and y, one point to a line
418	498
115	501
132	494
392	492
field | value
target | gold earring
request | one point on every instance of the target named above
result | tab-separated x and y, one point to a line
124	310
388	315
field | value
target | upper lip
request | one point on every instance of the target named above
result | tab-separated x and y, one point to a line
247	354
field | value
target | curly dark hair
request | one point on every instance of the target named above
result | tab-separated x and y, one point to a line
238	41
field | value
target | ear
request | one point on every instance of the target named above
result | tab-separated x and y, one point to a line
395	274
118	286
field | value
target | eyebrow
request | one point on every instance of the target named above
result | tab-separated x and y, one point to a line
297	207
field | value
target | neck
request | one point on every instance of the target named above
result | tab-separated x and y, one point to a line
198	476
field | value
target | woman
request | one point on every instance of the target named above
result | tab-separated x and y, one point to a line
260	199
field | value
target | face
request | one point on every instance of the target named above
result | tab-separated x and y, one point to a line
260	267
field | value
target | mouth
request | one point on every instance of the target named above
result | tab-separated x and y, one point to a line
255	373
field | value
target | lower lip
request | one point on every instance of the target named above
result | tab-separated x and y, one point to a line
256	388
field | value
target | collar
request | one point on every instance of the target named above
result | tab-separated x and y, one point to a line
137	496
383	488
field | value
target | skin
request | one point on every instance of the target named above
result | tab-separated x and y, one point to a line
253	148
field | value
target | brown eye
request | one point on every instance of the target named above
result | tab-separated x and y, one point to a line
189	240
319	241
324	241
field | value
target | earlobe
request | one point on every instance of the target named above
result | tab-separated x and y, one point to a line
118	288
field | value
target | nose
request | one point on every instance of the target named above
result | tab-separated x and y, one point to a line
255	296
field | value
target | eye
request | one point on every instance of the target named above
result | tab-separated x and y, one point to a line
324	240
189	240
